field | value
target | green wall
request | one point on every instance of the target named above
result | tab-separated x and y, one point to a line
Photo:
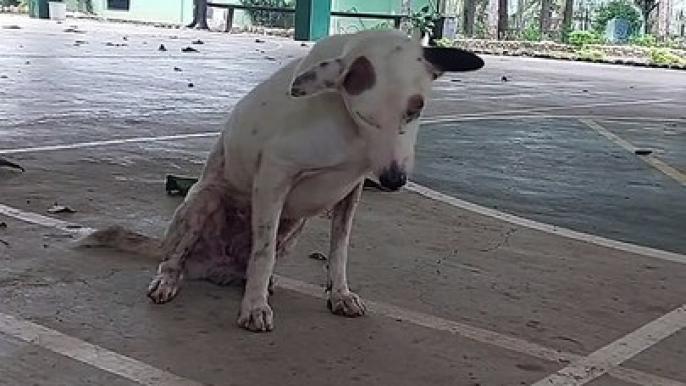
181	12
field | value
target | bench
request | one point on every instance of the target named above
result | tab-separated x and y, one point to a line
397	19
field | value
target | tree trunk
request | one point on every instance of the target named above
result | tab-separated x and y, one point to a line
543	21
567	16
492	19
468	17
199	15
503	15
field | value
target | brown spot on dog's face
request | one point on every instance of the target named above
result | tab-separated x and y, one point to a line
360	76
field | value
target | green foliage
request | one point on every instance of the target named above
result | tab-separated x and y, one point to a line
589	54
665	56
531	34
617	9
582	38
643	41
382	25
444	42
424	19
270	19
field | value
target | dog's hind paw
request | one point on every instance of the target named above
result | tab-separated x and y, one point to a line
346	304
164	287
256	316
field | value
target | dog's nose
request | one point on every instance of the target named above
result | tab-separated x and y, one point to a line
393	178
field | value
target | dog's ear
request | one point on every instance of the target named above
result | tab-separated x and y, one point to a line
449	59
360	76
323	76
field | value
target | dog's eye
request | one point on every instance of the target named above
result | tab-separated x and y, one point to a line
410	116
414	108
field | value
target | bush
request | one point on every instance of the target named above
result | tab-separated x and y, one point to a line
665	56
582	38
617	9
644	41
594	55
444	42
270	19
531	34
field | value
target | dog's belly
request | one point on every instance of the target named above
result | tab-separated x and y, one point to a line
316	193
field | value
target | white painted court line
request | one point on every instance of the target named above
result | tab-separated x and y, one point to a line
399	313
429	193
650	159
105	143
599	362
534	115
88	353
552	108
552	229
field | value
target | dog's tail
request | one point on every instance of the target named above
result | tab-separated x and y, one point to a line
122	239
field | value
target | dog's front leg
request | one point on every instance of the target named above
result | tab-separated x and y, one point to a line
341	300
270	188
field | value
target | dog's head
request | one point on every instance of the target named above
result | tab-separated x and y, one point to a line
384	78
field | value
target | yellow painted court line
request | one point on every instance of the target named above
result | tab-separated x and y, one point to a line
131	369
650	159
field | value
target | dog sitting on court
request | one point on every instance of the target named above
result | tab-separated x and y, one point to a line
300	143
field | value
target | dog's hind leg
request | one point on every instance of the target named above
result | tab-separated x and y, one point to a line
341	300
181	238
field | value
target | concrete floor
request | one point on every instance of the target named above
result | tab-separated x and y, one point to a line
460	294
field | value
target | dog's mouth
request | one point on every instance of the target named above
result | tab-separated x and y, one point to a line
367	120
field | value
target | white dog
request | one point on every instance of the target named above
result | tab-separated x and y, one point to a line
299	143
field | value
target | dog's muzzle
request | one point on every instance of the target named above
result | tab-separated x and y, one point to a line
393	178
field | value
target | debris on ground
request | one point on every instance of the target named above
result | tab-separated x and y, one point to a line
125	38
259	41
3	225
188	49
11	26
270	58
162	48
190	84
317	256
643	152
197	42
456	80
79	42
4	242
303	45
584	90
178	185
3	76
177	69
28	62
9	164
110	44
57	208
75	30
504	78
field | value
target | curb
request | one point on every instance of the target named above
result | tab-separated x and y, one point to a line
621	62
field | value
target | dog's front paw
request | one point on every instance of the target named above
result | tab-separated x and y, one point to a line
346	304
164	287
256	316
